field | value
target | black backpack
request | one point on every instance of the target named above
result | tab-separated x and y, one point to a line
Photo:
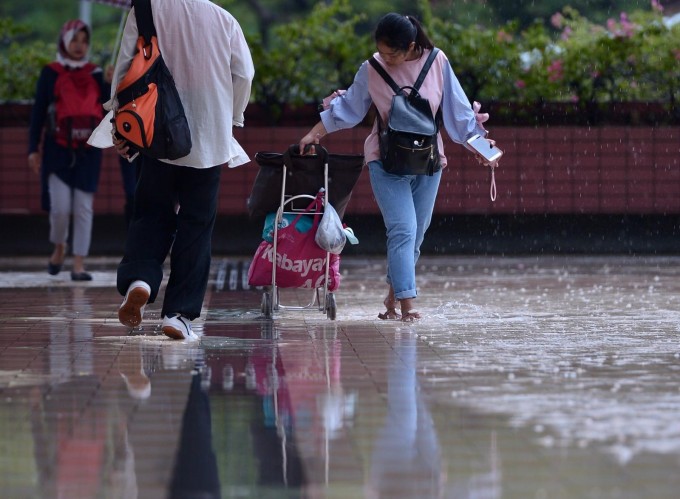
408	145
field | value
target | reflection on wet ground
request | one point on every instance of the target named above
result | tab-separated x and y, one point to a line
550	377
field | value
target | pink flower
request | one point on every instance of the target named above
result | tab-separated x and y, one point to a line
627	26
502	36
557	20
573	98
656	5
520	84
566	33
555	70
623	28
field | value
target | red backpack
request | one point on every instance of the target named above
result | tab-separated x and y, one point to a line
76	109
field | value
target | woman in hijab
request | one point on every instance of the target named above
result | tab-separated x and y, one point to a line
68	168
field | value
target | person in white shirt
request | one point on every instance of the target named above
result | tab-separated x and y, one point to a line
207	54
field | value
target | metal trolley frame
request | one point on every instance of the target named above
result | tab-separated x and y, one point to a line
322	299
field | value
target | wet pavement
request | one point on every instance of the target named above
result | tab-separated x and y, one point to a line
529	377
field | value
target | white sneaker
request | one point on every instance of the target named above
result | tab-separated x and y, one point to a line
178	327
131	310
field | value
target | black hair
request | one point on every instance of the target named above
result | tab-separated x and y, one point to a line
397	31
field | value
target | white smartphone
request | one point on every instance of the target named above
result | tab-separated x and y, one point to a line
482	146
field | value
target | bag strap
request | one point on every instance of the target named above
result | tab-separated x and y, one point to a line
419	81
145	26
388	79
426	68
57	67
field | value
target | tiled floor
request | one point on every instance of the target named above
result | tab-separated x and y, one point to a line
550	377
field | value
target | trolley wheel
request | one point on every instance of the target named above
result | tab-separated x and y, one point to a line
266	306
331	306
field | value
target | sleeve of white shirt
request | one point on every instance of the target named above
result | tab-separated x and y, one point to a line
242	72
458	115
347	110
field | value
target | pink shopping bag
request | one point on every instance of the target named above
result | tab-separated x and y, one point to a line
300	262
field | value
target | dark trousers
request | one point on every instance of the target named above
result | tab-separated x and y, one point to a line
195	474
128	174
156	228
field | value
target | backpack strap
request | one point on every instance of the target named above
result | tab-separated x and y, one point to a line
145	25
421	77
60	68
57	67
388	79
426	68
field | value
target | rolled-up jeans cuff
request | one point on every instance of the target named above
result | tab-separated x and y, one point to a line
409	293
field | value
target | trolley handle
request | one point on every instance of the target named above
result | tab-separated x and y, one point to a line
294	150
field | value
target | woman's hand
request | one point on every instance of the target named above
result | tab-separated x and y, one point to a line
312	137
479	117
481	159
34	162
495	162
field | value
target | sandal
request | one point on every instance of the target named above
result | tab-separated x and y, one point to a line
390	314
411	316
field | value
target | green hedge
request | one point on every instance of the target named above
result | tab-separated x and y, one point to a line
568	59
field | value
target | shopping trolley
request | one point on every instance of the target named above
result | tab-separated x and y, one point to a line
302	180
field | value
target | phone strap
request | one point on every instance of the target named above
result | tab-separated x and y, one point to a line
492	189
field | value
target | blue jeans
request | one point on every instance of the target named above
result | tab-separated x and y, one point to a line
406	203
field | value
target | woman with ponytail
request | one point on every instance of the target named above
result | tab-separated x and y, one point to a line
405	201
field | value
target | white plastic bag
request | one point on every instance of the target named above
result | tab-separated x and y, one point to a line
330	235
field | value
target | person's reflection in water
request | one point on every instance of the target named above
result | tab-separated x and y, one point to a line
71	348
79	446
131	367
254	388
195	472
406	460
163	384
274	444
